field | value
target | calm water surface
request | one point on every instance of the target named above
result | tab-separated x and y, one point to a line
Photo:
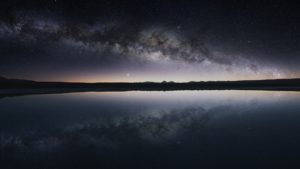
176	129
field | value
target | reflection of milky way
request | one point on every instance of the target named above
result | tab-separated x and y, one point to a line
158	126
126	127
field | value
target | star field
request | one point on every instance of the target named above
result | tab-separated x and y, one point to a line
149	40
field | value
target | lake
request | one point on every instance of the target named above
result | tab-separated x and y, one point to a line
174	129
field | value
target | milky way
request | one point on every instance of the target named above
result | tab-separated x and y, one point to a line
56	44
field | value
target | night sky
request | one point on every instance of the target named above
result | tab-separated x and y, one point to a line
144	40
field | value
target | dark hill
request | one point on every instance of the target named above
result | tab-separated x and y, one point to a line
276	84
13	81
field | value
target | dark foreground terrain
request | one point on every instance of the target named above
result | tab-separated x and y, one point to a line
17	86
